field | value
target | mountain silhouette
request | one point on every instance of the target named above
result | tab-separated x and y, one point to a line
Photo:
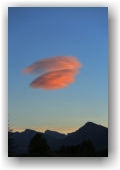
95	133
55	134
22	140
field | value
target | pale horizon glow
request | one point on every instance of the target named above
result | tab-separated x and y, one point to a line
63	130
59	130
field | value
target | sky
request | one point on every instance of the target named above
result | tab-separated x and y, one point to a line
35	34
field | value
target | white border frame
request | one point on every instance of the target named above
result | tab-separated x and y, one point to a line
113	161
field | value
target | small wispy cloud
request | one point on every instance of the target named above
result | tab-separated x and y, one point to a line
57	72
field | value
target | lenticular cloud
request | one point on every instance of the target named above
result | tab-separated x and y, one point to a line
54	72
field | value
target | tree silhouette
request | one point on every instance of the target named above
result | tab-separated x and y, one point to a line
10	142
87	148
38	145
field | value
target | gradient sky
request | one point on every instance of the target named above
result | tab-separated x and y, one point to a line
38	33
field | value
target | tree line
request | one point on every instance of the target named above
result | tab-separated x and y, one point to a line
38	147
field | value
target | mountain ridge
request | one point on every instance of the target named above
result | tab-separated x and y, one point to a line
97	134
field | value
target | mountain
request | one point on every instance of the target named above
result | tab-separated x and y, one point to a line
54	139
54	134
97	134
22	140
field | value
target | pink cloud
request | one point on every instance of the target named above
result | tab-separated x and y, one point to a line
53	64
54	79
57	72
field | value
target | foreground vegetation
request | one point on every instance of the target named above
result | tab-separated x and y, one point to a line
39	147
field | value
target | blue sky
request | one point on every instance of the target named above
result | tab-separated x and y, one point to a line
38	33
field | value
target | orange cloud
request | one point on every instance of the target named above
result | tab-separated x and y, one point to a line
57	72
53	64
54	79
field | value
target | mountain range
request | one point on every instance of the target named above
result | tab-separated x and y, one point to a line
97	134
